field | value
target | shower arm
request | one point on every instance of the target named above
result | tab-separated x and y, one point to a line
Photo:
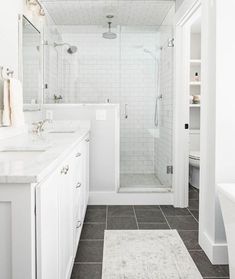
62	44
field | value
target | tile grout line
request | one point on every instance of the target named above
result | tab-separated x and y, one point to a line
192	215
165	218
135	217
106	218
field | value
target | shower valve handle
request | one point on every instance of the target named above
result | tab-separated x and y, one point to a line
126	114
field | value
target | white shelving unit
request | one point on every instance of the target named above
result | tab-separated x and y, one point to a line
194	105
195	61
195	85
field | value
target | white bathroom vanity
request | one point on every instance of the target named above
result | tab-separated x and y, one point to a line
44	191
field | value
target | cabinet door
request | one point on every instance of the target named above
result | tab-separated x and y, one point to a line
66	220
47	228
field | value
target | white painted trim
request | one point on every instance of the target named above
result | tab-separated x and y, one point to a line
216	252
113	198
184	18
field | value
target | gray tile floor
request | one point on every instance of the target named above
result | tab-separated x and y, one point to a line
88	262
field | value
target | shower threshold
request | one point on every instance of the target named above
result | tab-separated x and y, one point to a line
142	183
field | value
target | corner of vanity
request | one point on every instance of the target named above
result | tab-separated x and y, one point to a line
43	202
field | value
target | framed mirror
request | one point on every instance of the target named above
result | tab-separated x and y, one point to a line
31	53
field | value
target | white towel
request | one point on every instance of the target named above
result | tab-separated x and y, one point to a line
6	114
1	101
16	103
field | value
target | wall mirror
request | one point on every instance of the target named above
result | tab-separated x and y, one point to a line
31	64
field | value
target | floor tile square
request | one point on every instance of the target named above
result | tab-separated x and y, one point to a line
190	239
149	216
121	223
183	223
193	205
146	207
95	216
206	268
90	251
170	210
93	231
87	271
153	226
120	211
193	194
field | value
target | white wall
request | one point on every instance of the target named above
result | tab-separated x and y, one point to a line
104	144
217	125
10	37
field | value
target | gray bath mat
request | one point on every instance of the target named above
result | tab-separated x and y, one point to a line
146	254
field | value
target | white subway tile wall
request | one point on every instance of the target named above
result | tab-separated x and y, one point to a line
31	63
52	67
123	71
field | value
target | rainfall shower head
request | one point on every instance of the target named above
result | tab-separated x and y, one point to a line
71	49
109	34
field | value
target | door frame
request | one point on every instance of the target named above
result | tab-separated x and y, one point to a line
185	16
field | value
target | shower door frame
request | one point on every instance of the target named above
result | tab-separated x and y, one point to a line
184	18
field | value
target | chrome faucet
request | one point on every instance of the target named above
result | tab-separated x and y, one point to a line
39	126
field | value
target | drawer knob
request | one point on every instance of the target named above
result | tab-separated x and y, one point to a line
79	223
78	154
65	170
78	185
87	140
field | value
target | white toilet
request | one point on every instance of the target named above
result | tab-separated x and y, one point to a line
194	158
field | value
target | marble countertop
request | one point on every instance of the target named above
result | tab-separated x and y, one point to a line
50	151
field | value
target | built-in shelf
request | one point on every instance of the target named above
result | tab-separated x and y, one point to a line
195	61
195	83
194	131
194	105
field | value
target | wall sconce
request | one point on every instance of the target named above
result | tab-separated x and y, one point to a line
34	4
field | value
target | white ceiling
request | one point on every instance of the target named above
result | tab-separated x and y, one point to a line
93	12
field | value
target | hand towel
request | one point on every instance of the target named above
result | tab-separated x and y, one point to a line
16	103
1	101
6	114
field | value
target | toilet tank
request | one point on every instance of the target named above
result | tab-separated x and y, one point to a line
194	140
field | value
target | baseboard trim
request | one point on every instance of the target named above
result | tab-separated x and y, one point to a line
216	252
113	198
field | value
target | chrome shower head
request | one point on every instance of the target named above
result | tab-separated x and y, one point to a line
71	49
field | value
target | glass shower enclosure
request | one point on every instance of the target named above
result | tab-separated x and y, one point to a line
146	101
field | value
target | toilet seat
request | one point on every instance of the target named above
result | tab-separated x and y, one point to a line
194	155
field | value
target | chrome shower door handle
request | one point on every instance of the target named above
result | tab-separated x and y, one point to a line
125	112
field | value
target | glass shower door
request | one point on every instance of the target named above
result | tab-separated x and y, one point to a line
146	85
